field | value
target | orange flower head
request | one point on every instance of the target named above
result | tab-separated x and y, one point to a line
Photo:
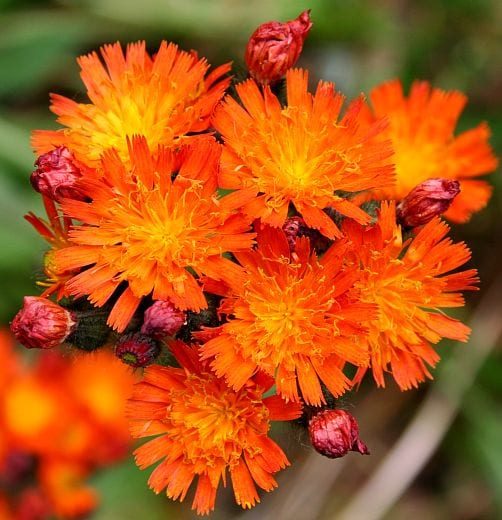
63	482
203	428
300	154
291	317
163	97
150	231
421	128
410	283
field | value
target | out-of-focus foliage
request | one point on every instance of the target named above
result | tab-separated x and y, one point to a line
453	43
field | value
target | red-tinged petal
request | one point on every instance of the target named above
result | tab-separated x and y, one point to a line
331	376
448	327
149	392
179	481
150	453
163	377
309	382
317	219
145	410
286	384
141	429
280	410
262	477
123	310
244	488
205	496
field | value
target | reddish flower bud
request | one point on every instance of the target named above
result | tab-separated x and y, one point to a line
136	349
274	48
333	433
56	175
162	319
295	227
42	323
426	200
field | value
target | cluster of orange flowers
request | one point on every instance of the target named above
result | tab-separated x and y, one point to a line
238	243
61	419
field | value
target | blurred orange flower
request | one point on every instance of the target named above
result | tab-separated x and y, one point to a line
421	128
60	419
203	428
410	283
164	98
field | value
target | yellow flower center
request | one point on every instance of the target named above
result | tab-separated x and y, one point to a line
210	420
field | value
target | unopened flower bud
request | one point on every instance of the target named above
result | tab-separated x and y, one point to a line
42	323
333	433
136	349
56	175
274	48
427	200
295	227
162	319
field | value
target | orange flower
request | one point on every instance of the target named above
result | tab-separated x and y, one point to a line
63	482
150	231
421	128
164	98
292	318
61	418
203	428
410	285
301	154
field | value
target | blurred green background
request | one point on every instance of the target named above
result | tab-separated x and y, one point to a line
357	44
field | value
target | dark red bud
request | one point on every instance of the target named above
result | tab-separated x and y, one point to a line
56	175
42	323
427	200
136	349
295	227
162	319
275	47
333	433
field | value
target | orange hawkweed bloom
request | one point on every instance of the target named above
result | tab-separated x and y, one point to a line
301	154
143	228
203	428
421	128
164	98
293	316
410	285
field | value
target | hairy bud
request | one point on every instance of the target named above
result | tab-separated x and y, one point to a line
162	319
56	175
333	433
275	47
427	200
42	323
